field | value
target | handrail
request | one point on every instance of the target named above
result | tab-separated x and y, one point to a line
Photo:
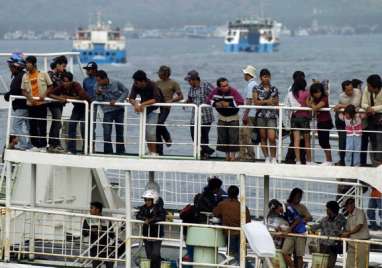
5	54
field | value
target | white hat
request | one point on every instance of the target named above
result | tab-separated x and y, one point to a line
250	70
151	194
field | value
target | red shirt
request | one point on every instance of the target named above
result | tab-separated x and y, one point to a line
324	116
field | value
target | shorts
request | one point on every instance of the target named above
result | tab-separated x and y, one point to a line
151	126
300	122
266	122
294	244
228	136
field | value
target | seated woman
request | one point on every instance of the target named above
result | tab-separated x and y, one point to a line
331	225
276	221
319	99
267	95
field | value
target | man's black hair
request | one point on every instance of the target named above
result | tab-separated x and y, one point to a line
333	206
101	74
298	75
294	193
265	72
214	183
140	76
31	59
61	60
345	84
356	82
68	75
375	81
233	192
221	80
53	65
97	205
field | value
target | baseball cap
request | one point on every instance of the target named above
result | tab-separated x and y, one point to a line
192	75
91	66
164	69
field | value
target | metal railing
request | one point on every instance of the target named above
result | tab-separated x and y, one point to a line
34	234
10	130
135	125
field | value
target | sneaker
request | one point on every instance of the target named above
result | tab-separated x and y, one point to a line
34	149
274	161
153	154
298	162
374	227
59	149
43	150
267	160
326	163
311	163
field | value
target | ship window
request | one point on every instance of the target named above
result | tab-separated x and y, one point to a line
90	53
96	53
113	54
85	53
107	53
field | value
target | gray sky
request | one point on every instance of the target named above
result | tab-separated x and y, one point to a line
68	14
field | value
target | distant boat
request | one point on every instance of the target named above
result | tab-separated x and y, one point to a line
100	43
196	31
252	35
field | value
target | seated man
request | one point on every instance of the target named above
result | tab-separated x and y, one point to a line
70	89
228	211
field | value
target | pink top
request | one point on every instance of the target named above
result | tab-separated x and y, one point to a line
353	127
303	95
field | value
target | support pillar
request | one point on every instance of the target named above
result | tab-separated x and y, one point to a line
243	220
266	195
128	219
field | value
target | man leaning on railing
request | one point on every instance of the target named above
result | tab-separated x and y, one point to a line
112	91
70	89
356	228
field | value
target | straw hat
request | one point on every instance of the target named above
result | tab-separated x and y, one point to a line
250	70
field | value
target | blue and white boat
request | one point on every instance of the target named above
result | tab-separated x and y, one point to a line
100	43
252	35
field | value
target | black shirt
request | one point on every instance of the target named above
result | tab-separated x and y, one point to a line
15	89
151	91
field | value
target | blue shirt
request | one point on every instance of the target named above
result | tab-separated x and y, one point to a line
291	214
90	86
114	91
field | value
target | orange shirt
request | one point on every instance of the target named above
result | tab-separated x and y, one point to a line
34	84
375	193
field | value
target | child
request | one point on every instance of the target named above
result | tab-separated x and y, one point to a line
319	99
353	128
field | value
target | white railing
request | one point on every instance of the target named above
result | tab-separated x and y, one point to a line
34	234
134	132
49	120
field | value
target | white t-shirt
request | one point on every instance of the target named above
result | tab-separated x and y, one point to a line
249	95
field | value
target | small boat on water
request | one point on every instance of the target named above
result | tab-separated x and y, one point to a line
253	35
100	43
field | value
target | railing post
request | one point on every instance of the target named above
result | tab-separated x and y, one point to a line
9	121
125	122
33	205
71	63
45	63
243	220
128	219
345	255
7	236
266	196
198	134
86	138
280	144
91	136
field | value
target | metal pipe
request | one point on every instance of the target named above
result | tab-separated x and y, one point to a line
7	242
92	105
243	220
266	196
32	200
86	138
128	219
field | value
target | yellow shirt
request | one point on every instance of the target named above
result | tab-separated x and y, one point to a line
36	84
366	101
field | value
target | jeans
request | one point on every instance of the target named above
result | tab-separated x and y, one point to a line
78	114
117	117
162	132
152	249
353	143
366	137
340	125
38	125
375	205
55	127
205	149
20	126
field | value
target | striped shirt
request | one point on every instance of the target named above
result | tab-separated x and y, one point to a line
199	96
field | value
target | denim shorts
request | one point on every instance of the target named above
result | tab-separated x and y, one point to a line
151	126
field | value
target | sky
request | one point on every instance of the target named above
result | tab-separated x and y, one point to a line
69	14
